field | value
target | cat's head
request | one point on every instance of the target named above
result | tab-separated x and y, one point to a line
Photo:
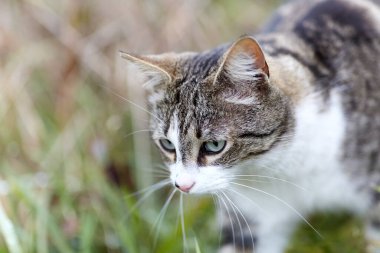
212	111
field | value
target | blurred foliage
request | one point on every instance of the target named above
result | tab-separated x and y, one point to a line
73	148
341	233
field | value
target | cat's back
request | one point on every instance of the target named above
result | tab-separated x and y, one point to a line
360	17
342	42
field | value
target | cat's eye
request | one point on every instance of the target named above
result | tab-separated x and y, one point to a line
167	145
214	147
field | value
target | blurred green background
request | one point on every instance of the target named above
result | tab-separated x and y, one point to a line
73	149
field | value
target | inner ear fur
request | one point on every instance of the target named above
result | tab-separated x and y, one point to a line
156	69
243	61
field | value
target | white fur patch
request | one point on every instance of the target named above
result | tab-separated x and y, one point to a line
173	135
156	96
241	101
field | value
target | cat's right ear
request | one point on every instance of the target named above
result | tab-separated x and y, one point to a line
156	70
244	61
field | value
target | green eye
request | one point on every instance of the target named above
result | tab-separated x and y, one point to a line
167	145
214	147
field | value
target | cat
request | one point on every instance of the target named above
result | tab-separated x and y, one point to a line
297	104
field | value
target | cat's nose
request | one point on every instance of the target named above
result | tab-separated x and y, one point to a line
184	188
184	184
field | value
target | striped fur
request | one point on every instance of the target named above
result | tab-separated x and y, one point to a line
313	118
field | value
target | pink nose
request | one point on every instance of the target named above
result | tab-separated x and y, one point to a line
184	182
185	188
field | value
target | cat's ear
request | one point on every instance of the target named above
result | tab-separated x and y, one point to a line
156	70
243	61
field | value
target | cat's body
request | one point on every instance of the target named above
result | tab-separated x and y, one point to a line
304	114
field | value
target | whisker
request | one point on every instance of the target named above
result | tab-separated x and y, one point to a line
237	218
153	187
147	192
158	222
218	206
138	131
156	172
160	176
242	195
250	180
183	224
245	220
129	101
229	217
274	178
283	202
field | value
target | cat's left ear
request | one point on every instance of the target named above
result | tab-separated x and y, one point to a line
157	70
244	61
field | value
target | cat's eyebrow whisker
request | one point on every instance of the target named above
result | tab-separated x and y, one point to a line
129	101
158	222
245	220
183	223
157	169
283	202
270	177
138	131
229	217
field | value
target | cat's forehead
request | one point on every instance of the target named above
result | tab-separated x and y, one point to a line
199	66
191	97
192	109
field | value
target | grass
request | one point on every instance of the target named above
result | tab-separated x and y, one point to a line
341	233
67	159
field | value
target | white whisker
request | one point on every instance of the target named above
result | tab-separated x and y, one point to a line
185	248
245	220
242	195
153	187
274	178
229	217
147	192
218	206
138	131
158	222
129	101
284	202
237	218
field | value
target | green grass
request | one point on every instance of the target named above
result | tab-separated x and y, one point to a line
67	163
341	233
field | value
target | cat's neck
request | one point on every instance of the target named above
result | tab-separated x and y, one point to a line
290	76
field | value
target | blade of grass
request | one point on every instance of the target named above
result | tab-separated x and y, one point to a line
8	232
87	233
197	249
